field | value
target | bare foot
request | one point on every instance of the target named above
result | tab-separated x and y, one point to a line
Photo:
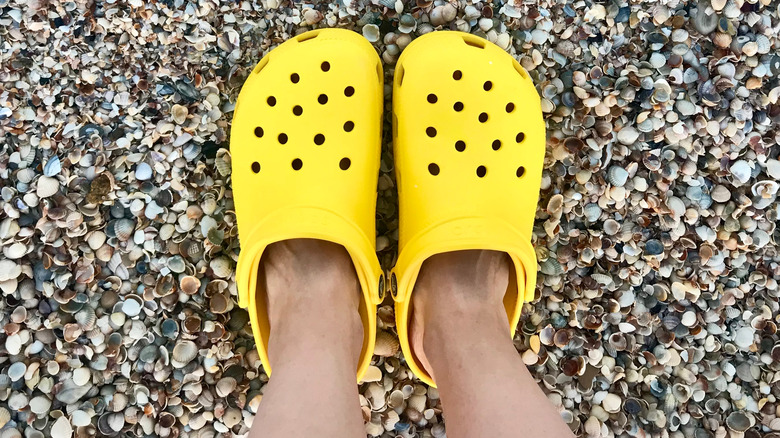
455	286
312	293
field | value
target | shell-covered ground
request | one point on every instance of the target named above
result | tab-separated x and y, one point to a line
657	306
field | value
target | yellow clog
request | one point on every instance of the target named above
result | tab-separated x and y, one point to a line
305	145
469	142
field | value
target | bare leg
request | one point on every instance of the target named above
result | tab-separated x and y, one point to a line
314	344
459	319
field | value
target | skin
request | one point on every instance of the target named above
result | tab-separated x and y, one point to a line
459	333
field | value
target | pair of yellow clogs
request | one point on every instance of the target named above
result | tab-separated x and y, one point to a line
469	144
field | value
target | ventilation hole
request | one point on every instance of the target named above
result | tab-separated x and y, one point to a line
432	98
297	164
496	145
460	145
510	107
255	167
282	138
349	91
457	74
308	36
294	78
431	131
325	66
261	65
319	139
458	106
475	43
520	137
349	126
345	163
297	110
259	132
487	85
433	168
520	70
323	99
271	101
520	171
481	171
483	117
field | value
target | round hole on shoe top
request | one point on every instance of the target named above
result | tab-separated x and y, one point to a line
297	110
349	91
520	171
319	139
510	107
345	163
325	66
432	98
460	145
259	132
496	145
282	138
457	75
322	99
431	131
255	167
481	171
294	78
271	101
458	106
349	126
487	85
433	168
520	137
483	117
297	164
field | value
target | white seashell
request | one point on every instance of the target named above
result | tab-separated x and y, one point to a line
765	189
16	371
443	14
741	170
80	418
225	386
183	353
179	114
143	171
611	403
40	405
375	395
373	374
62	428
628	135
15	251
5	417
221	266
617	176
47	186
371	32
744	337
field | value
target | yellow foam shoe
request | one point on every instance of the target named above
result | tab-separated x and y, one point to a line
305	146
469	142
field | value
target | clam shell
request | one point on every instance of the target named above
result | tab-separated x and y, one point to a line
123	229
223	162
221	266
371	32
189	284
225	386
386	344
183	353
86	318
739	421
47	186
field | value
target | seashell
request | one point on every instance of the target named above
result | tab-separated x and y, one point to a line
371	32
169	328
191	324
225	386
741	170
219	303
183	353
765	189
611	227
16	371
222	161
739	421
179	114
551	266
189	284
110	424
617	176
47	187
52	167
375	395
176	264
143	171
386	344
221	267
5	416
396	400
750	48
592	212
86	318
123	229
612	403
681	392
406	24
443	14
